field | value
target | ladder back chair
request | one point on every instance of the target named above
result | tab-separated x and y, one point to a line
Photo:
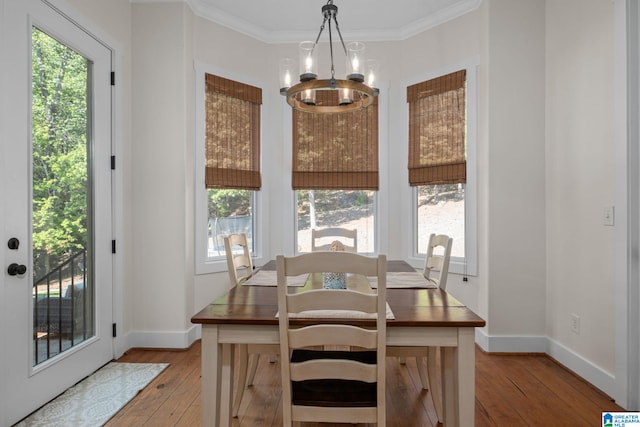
320	383
240	268
322	238
436	270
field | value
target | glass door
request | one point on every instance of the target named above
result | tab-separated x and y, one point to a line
56	188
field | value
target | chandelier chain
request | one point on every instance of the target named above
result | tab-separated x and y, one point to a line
333	70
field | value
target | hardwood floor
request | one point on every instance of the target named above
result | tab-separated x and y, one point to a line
511	390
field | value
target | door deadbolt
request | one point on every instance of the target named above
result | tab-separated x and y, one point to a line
13	243
16	269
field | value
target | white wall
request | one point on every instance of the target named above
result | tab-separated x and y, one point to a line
580	181
162	279
516	216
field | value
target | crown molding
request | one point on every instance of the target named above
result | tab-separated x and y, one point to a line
204	9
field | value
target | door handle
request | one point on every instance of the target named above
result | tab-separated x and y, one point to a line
16	269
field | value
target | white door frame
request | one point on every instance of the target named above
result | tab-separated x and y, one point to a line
627	198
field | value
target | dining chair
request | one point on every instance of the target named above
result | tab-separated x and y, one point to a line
321	238
240	268
320	381
436	270
239	264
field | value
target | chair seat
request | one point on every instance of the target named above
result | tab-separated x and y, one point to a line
334	392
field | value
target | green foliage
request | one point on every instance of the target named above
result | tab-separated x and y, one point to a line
229	202
59	127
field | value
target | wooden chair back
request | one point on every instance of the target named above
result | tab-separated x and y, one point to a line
436	265
321	238
239	264
323	384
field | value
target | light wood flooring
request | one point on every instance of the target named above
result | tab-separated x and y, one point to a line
511	390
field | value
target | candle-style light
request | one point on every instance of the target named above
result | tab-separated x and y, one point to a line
346	96
287	71
355	61
308	61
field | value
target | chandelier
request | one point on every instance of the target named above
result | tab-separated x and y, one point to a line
355	92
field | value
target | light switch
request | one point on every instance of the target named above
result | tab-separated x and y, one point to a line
608	215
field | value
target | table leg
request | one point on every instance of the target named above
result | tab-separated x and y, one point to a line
211	369
464	368
458	380
226	380
243	354
449	404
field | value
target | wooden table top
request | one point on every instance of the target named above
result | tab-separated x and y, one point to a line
258	305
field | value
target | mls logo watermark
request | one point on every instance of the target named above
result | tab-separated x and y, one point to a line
621	419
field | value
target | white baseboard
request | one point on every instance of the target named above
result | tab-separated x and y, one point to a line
163	339
595	375
511	344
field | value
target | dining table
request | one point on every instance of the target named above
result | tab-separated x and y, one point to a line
422	315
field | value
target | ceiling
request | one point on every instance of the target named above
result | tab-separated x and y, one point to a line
289	21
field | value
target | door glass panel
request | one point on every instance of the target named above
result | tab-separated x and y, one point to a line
63	303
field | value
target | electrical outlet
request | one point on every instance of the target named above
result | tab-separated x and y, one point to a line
575	323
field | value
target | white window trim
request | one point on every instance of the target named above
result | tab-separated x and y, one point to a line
458	265
204	264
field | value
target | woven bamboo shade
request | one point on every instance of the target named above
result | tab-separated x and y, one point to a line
232	134
335	151
437	125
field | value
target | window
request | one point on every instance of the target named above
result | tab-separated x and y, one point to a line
228	166
442	164
229	212
351	209
335	173
440	210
